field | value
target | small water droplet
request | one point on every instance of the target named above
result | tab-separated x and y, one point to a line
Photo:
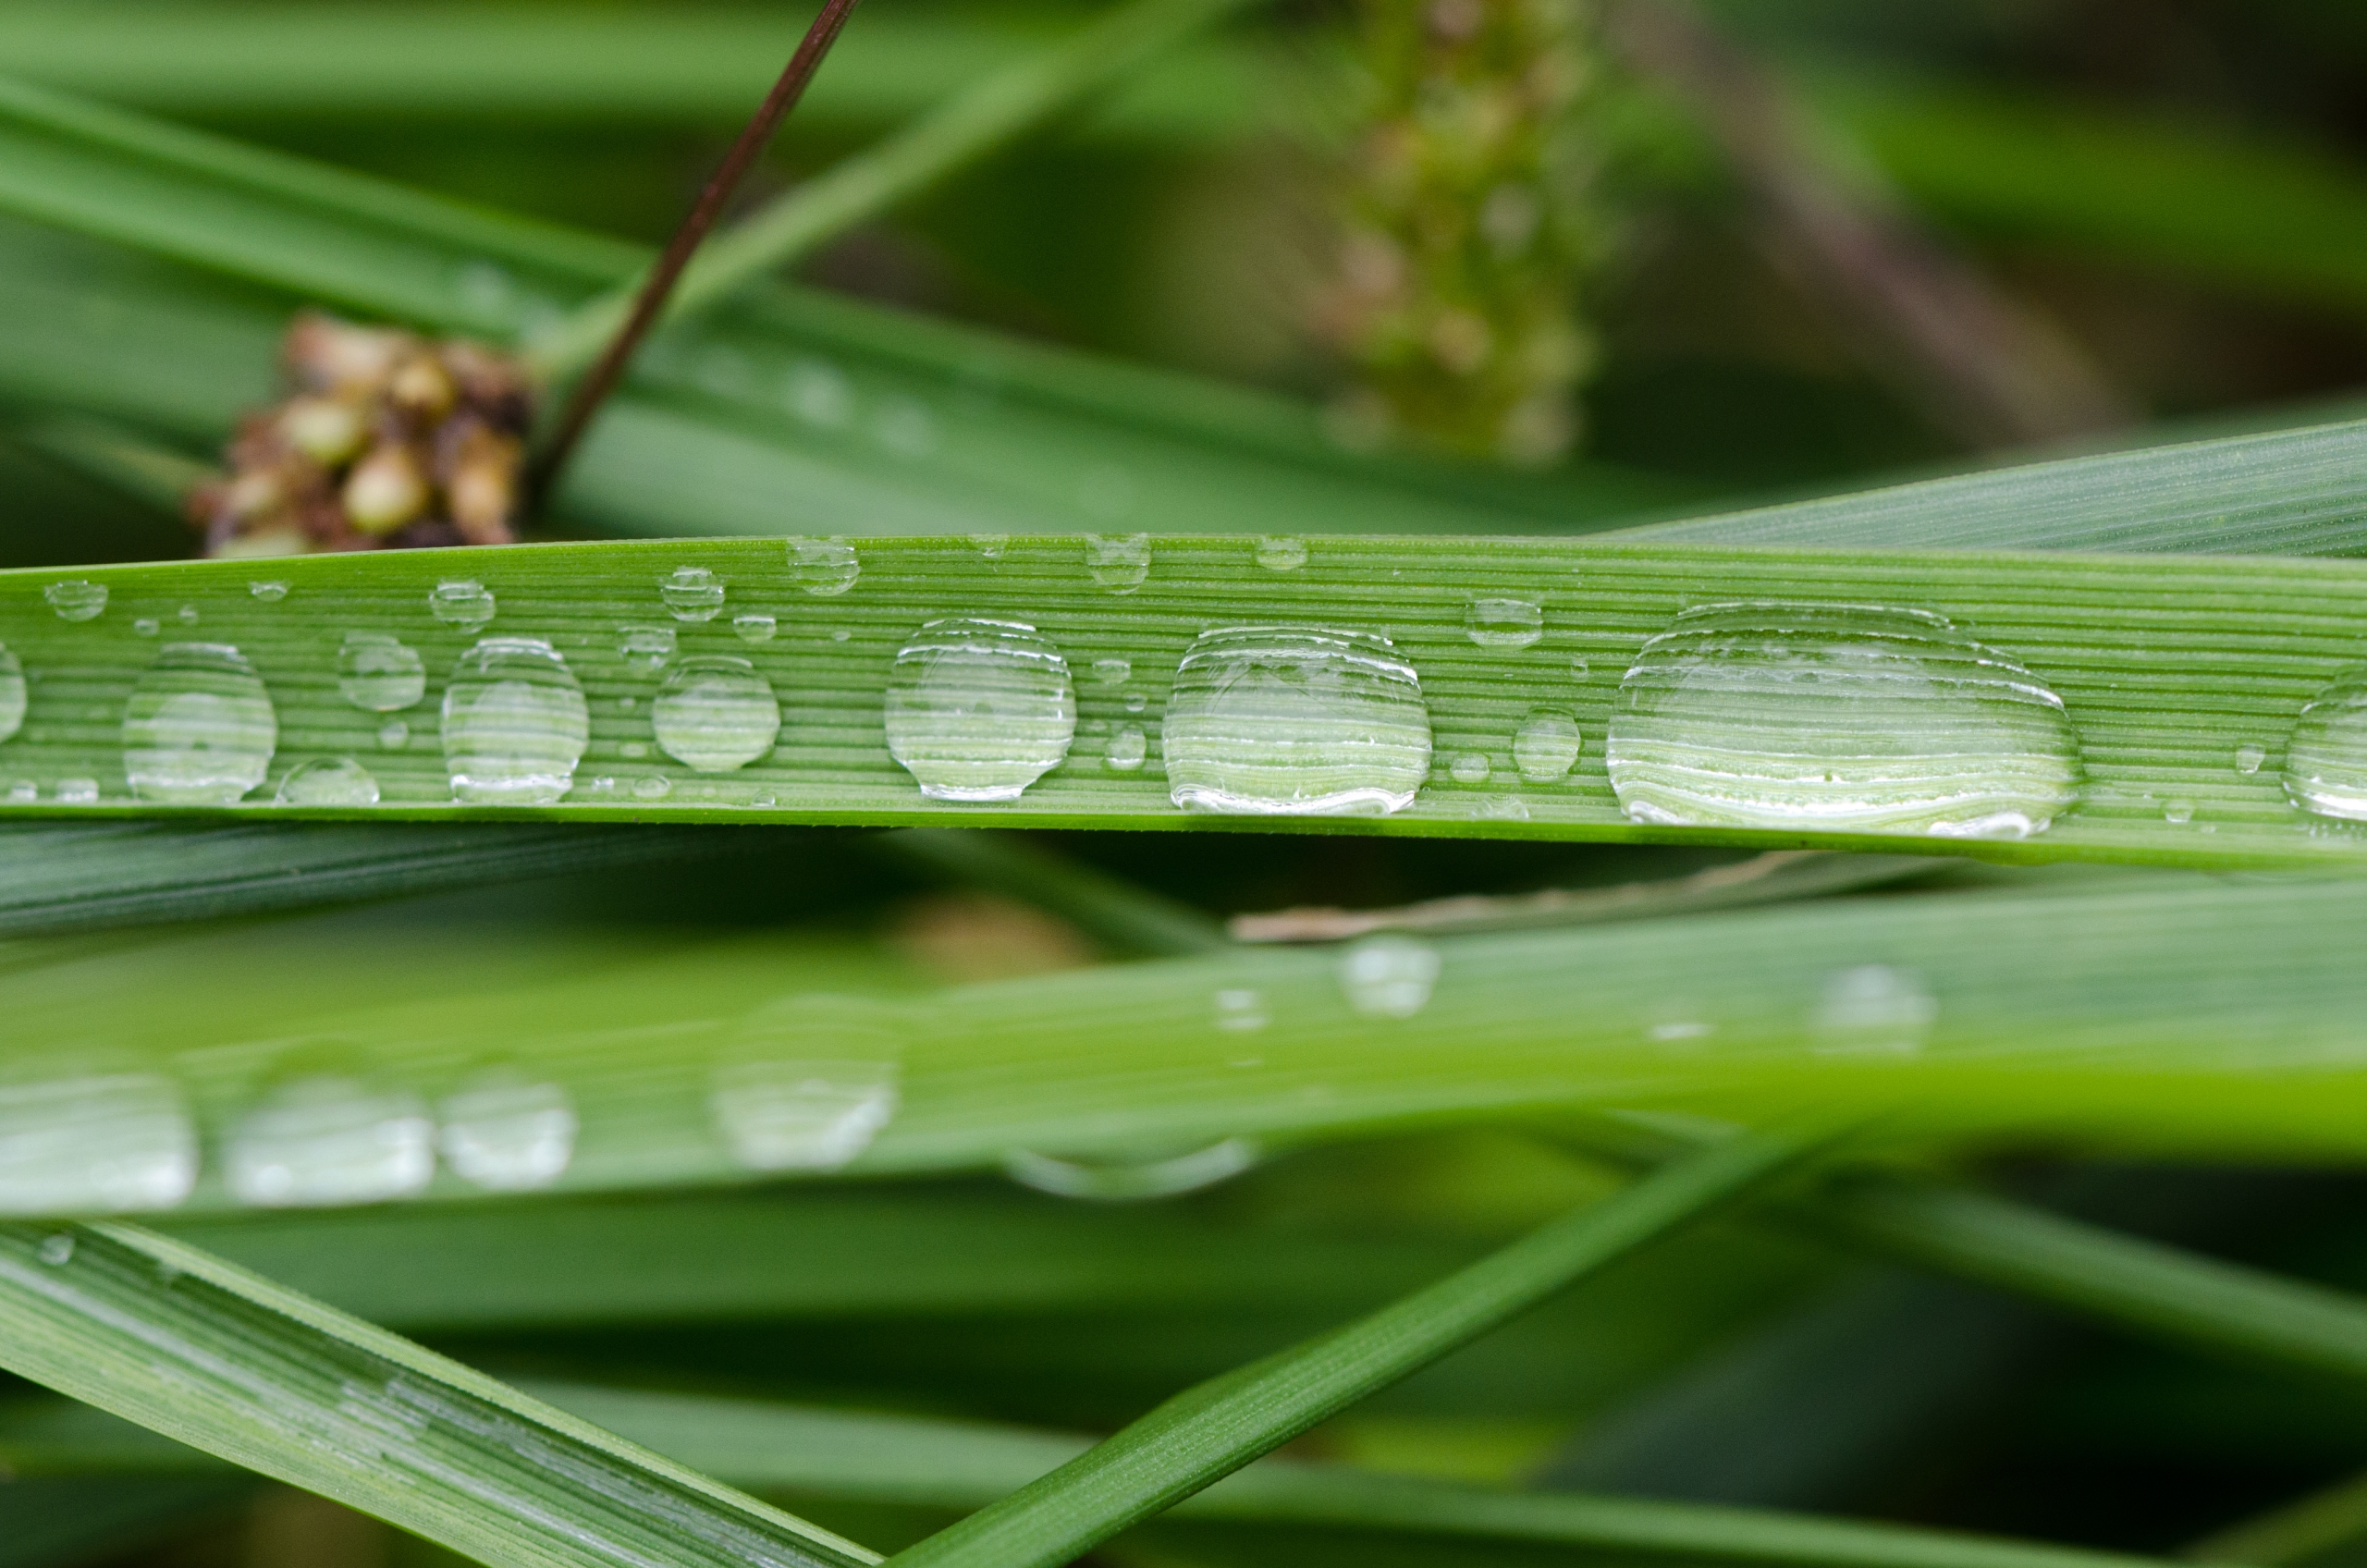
1579	668
824	567
2325	760
13	696
186	615
1874	1009
78	791
990	545
515	724
1681	1029
1131	1180
2249	758
716	715
57	1250
378	672
656	787
1504	623
94	1144
24	793
198	729
329	1138
840	635
394	735
1469	767
77	600
462	602
2176	811
146	626
755	627
1840	717
329	781
1282	555
646	648
1388	977
1240	1011
1113	672
979	710
268	592
507	1132
1547	745
1119	562
1136	702
1294	720
692	592
1128	747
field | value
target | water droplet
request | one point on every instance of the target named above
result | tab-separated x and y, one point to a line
515	724
809	1082
824	567
1547	745
2178	811
979	710
78	791
1128	747
329	781
2249	758
692	592
94	1144
1681	1029
12	692
24	793
269	593
77	600
379	673
1839	717
653	787
508	1132
990	545
646	648
715	714
186	615
462	602
394	735
755	627
330	1139
818	392
1388	977
198	729
1130	1181
1875	1009
1469	767
840	635
1136	702
146	626
1293	720
1579	668
56	1251
1240	1011
1113	672
1119	562
1504	623
1282	555
2326	761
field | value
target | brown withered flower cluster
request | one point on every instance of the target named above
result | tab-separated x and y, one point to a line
386	440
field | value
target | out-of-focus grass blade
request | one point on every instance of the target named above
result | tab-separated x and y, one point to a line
54	1521
1129	918
179	1342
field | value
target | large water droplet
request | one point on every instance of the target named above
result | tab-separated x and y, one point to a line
1130	1181
378	672
1388	977
1119	562
461	603
1504	623
716	714
515	724
2325	760
508	1132
12	692
824	567
692	592
330	1139
96	1144
979	710
198	729
77	600
1874	1009
1291	719
329	781
1547	745
1837	718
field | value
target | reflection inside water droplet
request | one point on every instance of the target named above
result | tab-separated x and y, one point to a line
1282	555
755	627
825	567
1119	562
2249	758
1130	1181
1504	623
979	710
94	1144
1113	672
692	592
1128	747
199	727
716	715
1547	745
646	648
377	672
1874	1009
330	1139
810	1115
1295	719
329	781
515	724
1470	767
394	735
1388	977
462	602
654	787
2325	760
506	1132
269	593
77	600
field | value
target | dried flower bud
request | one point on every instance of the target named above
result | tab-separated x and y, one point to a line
325	353
325	429
420	389
386	490
481	485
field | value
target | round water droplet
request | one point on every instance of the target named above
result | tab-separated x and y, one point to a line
1504	623
646	648
1837	718
56	1251
1128	747
1113	672
1240	1011
1282	555
1119	562
1469	767
12	692
186	615
329	781
979	710
755	627
1579	668
508	1132
692	592
1136	702
198	729
269	593
2326	761
1131	1180
2249	758
394	735
77	600
146	626
824	567
329	1139
515	724
808	1083
462	602
1547	745
94	1144
715	714
78	791
653	787
1293	720
1874	1009
2176	811
1388	977
378	673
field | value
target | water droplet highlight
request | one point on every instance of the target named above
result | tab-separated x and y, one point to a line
1470	767
378	672
462	602
198	729
77	600
1843	719
646	648
186	615
78	791
2325	760
1504	623
1388	977
1271	720
1547	745
1875	1010
990	545
2249	758
1113	672
56	1251
1119	562
979	710
146	626
801	1115
330	1139
692	592
1128	747
24	793
653	787
515	724
2178	811
328	781
715	714
269	593
755	627
95	1143
507	1132
1130	1181
1282	555
824	567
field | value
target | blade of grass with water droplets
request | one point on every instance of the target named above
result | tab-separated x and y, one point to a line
204	1353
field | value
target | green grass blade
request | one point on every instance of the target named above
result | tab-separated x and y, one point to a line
163	1335
2315	1527
1208	1432
61	1522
